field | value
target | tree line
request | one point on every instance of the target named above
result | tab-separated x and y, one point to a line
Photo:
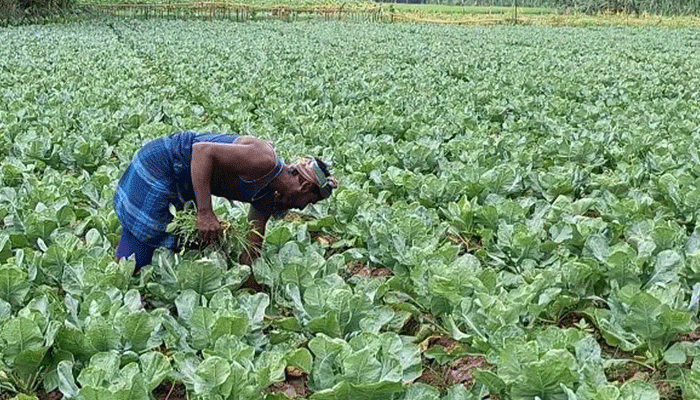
17	9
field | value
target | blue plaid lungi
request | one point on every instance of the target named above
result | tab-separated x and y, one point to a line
159	176
149	185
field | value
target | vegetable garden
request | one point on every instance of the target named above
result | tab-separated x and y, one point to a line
517	216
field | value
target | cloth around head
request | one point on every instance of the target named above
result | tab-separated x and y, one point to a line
310	170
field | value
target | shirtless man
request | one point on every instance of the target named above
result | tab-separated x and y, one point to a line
190	166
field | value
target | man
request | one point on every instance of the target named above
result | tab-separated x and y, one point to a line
190	166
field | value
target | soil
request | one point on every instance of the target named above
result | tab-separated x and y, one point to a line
657	377
446	342
462	369
569	320
41	395
293	216
363	270
146	303
458	371
294	385
592	213
54	395
691	337
170	391
256	287
328	241
411	327
323	238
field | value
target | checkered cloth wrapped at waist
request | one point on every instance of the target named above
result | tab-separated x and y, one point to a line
146	190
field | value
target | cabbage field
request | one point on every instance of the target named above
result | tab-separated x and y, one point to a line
518	215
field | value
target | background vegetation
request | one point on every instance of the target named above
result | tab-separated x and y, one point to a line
19	9
16	9
663	7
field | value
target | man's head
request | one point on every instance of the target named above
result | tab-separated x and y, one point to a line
304	182
315	171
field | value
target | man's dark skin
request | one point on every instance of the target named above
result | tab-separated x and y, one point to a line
249	159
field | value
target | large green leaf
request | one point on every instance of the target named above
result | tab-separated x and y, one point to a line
349	391
201	324
202	276
255	307
491	380
136	330
302	359
72	340
66	380
186	302
326	324
210	374
405	353
234	324
5	310
278	236
5	247
20	334
325	350
362	367
421	391
101	335
52	379
102	393
155	367
27	365
544	377
232	348
638	390
13	285
103	367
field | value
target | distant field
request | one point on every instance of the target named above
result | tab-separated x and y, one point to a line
450	9
385	12
484	15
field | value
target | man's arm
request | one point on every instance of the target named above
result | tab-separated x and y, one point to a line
249	158
258	221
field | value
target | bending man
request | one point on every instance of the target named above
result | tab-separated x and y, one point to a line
189	166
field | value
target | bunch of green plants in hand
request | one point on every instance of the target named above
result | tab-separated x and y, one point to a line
232	241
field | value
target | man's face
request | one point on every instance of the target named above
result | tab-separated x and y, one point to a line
302	192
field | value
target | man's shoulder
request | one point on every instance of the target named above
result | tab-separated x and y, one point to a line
262	150
248	140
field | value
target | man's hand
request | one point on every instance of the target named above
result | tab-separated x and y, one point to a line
209	227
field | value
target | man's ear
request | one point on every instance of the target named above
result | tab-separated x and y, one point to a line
307	186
